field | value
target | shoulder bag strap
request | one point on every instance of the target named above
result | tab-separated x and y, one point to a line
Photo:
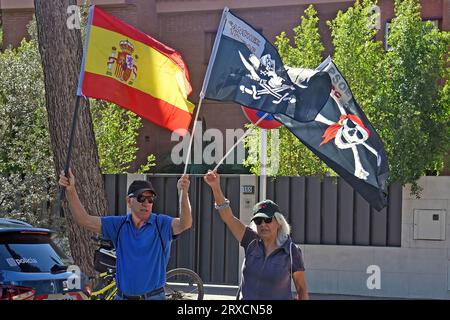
242	269
159	234
118	232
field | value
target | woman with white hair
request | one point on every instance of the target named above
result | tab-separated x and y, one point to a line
272	260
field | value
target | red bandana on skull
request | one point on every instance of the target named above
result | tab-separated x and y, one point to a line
332	130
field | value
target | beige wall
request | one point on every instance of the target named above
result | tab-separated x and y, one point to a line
417	269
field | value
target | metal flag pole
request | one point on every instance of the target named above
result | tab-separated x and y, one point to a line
68	154
263	165
191	139
205	82
246	133
213	55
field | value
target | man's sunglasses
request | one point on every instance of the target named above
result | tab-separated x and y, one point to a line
259	220
141	198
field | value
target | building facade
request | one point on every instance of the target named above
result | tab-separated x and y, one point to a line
189	26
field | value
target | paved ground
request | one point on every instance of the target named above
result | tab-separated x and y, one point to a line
218	292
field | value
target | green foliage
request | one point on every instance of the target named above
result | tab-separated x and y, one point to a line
308	47
146	167
286	155
358	55
412	104
26	162
116	130
294	158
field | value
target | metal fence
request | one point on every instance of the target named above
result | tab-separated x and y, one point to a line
320	211
329	211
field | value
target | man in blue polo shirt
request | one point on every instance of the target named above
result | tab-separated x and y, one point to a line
142	239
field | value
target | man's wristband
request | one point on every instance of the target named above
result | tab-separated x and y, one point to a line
224	205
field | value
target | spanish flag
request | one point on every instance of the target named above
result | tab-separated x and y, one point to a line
131	69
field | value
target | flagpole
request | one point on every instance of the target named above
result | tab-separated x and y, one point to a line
194	127
263	165
212	57
77	107
69	153
239	141
188	156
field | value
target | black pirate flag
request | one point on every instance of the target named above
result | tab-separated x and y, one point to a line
342	136
246	68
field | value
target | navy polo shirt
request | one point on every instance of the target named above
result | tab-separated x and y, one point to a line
141	262
268	278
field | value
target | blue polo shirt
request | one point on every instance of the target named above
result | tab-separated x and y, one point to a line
141	262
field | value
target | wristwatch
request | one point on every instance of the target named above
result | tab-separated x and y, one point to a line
224	205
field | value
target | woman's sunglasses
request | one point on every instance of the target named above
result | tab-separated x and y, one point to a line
259	220
141	198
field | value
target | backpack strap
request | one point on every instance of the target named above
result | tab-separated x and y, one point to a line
290	255
242	270
118	232
159	234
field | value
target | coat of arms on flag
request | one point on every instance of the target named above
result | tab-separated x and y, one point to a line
124	63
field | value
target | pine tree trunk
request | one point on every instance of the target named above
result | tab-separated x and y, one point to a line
61	53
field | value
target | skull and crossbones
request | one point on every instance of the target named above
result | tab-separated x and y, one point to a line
263	71
347	133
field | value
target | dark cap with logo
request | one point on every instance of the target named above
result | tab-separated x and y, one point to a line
139	186
265	209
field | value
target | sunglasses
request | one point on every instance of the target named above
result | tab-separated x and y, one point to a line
141	198
259	220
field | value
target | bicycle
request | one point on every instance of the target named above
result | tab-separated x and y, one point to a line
181	283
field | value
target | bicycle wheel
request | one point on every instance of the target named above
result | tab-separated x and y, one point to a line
183	284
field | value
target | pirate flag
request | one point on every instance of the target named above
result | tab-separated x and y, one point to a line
247	69
342	136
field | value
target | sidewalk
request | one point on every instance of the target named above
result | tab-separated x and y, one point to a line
220	292
224	292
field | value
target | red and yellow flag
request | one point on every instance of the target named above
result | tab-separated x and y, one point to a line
131	69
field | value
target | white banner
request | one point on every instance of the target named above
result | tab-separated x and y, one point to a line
238	30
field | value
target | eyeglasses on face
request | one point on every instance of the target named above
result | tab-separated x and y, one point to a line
259	220
141	198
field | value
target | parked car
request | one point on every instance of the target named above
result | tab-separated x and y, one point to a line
33	267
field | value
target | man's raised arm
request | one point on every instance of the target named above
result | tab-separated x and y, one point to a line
81	217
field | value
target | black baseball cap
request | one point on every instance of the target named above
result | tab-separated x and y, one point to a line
265	209
139	186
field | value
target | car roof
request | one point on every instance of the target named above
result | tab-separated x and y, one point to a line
13	225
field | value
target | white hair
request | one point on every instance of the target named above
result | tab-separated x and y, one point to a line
283	232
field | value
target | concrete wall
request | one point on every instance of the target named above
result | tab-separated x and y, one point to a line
418	269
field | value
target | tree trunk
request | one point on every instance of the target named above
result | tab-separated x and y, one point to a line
61	53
